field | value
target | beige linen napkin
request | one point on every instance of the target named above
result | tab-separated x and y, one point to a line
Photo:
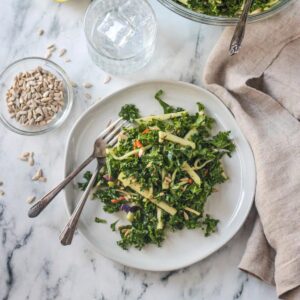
261	86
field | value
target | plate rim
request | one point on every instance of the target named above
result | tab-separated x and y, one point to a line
157	81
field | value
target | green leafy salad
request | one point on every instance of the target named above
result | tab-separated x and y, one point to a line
229	8
161	173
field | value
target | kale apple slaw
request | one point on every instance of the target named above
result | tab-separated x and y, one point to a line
161	173
229	8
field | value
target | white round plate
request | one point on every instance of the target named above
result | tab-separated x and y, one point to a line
231	204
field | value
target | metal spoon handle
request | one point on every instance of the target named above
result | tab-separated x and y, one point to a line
67	234
239	32
37	208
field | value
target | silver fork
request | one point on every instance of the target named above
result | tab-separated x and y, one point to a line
108	136
239	32
67	234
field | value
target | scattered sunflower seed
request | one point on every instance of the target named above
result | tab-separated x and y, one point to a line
48	54
30	199
51	46
62	52
107	79
88	96
24	156
31	159
74	84
41	32
42	179
87	85
37	175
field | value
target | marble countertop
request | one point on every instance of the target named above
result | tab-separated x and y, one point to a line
33	264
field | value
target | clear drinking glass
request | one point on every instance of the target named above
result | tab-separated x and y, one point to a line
121	34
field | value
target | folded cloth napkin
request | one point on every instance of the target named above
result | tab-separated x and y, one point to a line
261	86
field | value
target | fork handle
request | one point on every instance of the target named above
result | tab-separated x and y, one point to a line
67	234
37	208
239	32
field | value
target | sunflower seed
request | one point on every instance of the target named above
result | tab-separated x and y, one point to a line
51	46
24	156
41	32
30	199
42	179
107	79
30	93
62	52
87	85
31	159
48	54
37	175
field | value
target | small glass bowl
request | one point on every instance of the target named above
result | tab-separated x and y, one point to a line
221	20
6	81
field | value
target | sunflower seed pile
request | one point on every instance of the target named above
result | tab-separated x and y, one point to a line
35	97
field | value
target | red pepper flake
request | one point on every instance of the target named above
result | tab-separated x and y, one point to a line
190	181
147	130
137	144
122	198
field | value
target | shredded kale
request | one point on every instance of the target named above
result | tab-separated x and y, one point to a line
129	112
87	177
99	220
227	8
151	186
113	225
165	106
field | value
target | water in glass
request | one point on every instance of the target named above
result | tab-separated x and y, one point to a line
121	34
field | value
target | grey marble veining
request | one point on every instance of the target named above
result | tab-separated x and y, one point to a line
33	265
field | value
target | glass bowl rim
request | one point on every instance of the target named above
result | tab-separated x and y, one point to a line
92	5
69	103
220	20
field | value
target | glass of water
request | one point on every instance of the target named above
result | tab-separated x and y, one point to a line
121	34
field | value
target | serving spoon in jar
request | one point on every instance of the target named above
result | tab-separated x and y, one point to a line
240	28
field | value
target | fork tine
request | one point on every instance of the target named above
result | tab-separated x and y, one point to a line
114	132
109	128
113	142
114	139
